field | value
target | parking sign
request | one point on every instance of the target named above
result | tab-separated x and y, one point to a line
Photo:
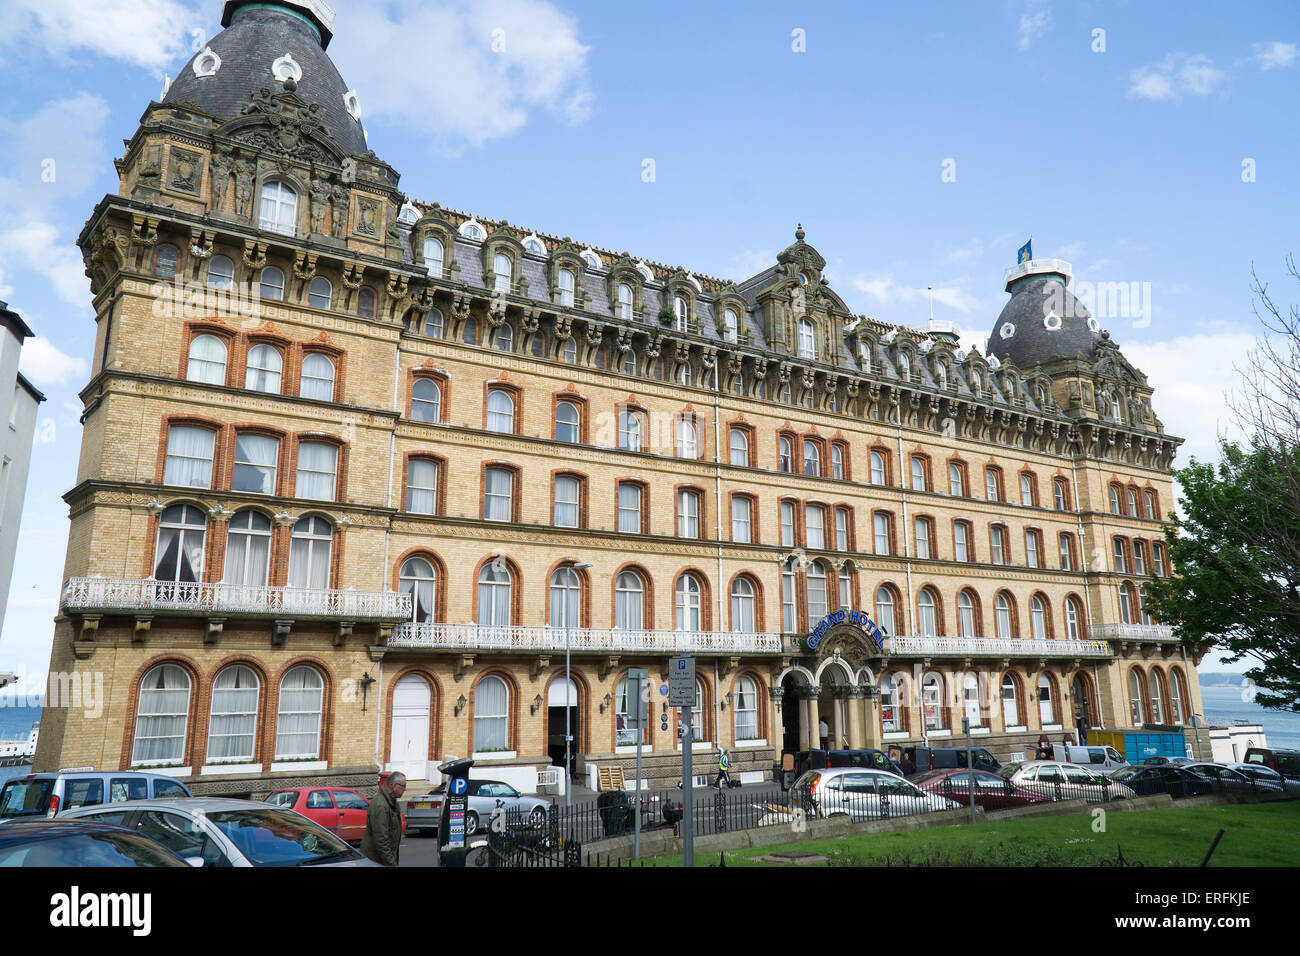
681	682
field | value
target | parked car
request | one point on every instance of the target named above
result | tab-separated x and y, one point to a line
1068	781
1163	778
1285	762
872	759
340	810
1171	761
49	794
1103	759
857	793
220	832
1266	776
424	811
38	842
991	791
943	758
1228	780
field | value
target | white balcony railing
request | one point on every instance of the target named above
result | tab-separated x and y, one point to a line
905	644
107	595
1161	633
580	639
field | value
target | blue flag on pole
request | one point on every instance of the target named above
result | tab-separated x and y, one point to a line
1025	252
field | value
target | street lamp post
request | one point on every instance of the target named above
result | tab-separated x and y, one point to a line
568	684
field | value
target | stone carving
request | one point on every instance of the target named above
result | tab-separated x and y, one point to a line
320	196
367	222
245	173
222	162
187	170
339	202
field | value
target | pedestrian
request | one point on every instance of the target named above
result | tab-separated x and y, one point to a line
1044	748
384	822
724	769
907	765
1081	725
824	732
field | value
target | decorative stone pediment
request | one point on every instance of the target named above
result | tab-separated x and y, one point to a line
283	123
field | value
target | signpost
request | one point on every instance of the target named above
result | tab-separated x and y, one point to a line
970	767
642	678
681	693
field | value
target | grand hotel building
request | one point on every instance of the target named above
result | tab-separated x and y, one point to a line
356	522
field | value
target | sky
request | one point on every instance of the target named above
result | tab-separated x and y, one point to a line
918	144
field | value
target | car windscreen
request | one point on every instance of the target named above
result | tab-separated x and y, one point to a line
21	798
1125	773
90	849
271	837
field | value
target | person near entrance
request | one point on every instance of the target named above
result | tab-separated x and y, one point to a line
384	822
1081	726
824	732
724	769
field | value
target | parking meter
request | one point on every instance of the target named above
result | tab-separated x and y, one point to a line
452	845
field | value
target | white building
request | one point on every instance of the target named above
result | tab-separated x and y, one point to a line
21	748
20	400
1229	744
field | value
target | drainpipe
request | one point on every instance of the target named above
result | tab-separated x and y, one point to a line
392	453
1078	519
379	714
717	495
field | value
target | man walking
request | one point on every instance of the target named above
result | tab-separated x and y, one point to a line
724	769
384	822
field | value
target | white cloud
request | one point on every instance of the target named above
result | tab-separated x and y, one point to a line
1034	22
38	246
1276	55
1177	74
497	61
44	364
888	292
152	35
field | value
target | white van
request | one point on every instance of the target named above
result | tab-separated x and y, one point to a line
1102	759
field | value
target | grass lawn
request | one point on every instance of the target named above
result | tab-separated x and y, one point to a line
1266	834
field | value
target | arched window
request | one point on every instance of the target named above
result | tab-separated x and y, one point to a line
681	312
742	606
1114	500
686	442
320	293
1135	696
1047	713
1010	702
730	324
629	599
970	698
426	401
278	211
271	283
878	473
992	484
926	622
627	715
918	474
1178	694
164	263
1125	605
837	462
1157	697
317	377
207	360
564	280
162	716
491	715
687	601
941	375
433	256
747	709
433	324
297	731
1060	494
309	553
502	272
892	697
232	725
265	364
1002	616
1132	503
786	455
629	430
495	587
932	701
904	366
624	301
788	621
812	458
956	480
505	338
885	610
965	615
1026	490
816	591
221	272
182	531
739	447
248	549
500	412
1151	504
418	579
566	598
807	347
366	302
567	422
1073	617
1038	618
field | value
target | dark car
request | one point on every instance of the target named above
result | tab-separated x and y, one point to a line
873	759
946	758
1228	780
992	792
1285	762
78	843
1162	778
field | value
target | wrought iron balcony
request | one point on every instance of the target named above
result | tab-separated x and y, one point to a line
581	639
148	597
912	646
1147	633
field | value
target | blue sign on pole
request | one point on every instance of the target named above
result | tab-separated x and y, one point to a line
458	786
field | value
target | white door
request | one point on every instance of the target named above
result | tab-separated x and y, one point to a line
410	739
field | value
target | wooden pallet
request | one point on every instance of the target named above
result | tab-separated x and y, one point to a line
610	778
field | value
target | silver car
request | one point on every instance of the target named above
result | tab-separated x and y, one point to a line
860	793
1068	781
484	796
218	831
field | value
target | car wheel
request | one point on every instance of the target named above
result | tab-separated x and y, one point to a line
471	823
537	818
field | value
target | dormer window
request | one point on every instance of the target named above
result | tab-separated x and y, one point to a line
433	256
644	269
806	347
624	301
730	323
409	213
681	311
565	280
471	229
502	270
1115	408
279	208
941	375
904	366
592	260
534	245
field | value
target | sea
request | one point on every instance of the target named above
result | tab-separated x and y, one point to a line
1227	703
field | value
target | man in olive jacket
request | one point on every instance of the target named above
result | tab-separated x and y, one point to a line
384	822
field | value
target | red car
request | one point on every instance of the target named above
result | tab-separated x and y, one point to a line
337	809
991	791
